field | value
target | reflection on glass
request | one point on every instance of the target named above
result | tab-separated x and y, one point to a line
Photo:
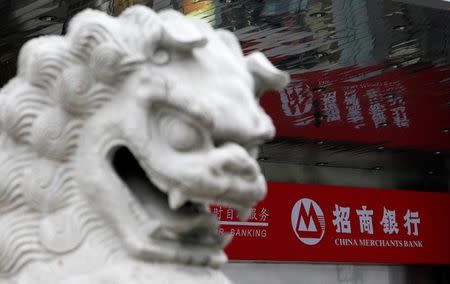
203	9
363	71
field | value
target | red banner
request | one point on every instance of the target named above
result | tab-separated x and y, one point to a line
406	108
317	223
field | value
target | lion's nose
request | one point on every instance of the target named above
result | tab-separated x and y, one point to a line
263	129
235	162
243	170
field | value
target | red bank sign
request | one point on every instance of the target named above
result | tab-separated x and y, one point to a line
341	224
407	107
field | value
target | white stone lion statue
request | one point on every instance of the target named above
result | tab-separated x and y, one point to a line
114	141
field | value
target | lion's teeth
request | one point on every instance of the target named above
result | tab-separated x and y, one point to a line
217	260
244	213
176	199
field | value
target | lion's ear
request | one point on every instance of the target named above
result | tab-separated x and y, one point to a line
267	76
179	33
230	40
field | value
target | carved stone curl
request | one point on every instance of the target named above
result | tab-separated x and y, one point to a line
116	138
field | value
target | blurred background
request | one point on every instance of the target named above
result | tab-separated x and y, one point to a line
368	105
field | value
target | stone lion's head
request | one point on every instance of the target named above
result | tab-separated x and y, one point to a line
128	128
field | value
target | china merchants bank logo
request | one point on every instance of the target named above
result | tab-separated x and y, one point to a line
308	221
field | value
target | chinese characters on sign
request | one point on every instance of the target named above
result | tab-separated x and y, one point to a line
412	218
390	226
352	105
398	110
341	221
365	220
331	108
388	222
256	226
376	109
228	214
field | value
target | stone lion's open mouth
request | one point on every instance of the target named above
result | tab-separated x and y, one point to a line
189	227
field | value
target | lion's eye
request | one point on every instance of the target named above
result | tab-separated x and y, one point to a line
181	135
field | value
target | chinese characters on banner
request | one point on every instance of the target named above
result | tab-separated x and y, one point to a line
341	224
400	108
255	226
